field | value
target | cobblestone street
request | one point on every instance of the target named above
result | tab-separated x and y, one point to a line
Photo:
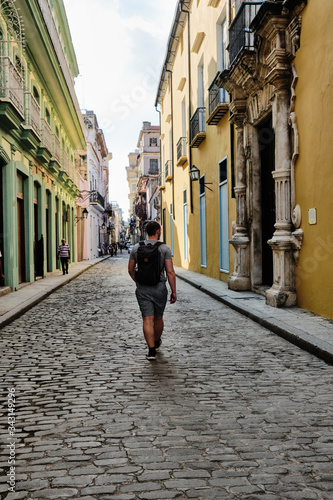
227	411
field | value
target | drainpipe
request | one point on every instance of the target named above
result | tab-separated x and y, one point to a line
189	100
159	122
172	147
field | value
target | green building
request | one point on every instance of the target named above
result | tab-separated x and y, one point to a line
40	128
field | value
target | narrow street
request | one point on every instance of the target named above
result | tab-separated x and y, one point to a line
227	411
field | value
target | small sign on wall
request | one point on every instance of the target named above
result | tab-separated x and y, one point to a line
312	216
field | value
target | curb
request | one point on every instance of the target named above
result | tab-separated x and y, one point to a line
14	314
297	337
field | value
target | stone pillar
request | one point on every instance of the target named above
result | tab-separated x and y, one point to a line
240	279
282	293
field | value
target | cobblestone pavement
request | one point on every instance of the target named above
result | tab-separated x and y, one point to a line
228	410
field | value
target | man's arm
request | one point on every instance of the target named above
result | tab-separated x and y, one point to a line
131	269
172	279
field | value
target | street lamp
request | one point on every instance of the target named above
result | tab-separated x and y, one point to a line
194	173
84	216
195	176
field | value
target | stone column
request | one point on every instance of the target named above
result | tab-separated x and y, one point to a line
282	293
240	279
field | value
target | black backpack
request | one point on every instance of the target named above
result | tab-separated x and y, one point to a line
148	264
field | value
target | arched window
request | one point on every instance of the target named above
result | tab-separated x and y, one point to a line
47	116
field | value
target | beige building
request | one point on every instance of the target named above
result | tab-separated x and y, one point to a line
132	175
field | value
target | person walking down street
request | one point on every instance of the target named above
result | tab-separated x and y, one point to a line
148	263
64	253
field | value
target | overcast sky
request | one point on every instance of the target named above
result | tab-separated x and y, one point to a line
120	47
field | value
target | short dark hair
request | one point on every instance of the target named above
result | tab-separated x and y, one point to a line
152	227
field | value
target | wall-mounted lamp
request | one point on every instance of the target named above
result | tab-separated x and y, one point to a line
194	173
195	176
84	215
103	225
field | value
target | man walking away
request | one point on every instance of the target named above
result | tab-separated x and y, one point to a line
64	253
148	262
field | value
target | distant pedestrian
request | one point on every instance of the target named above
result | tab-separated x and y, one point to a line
148	262
64	253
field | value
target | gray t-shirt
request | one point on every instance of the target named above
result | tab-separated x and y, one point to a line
165	254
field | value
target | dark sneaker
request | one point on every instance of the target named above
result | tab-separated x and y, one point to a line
151	356
158	344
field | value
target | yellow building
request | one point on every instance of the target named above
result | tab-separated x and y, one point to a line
275	139
196	135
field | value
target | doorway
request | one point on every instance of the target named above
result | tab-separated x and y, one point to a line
1	226
20	229
267	161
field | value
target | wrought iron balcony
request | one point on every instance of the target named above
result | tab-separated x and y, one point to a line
32	114
240	36
218	103
97	198
168	170
161	181
197	128
56	150
46	133
11	85
181	151
65	162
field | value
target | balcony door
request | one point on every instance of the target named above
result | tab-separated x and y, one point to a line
171	229
224	216
185	222
20	229
203	232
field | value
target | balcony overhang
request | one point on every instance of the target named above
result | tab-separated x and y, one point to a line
198	139
217	114
182	161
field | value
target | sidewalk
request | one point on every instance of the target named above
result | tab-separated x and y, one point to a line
310	332
14	304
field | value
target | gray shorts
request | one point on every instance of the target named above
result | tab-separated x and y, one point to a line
152	299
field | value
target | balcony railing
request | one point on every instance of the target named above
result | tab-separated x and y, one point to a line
151	149
65	162
181	151
161	181
96	197
56	151
168	170
197	128
11	85
240	36
32	113
218	104
46	133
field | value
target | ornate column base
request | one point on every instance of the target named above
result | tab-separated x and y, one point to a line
240	279
282	293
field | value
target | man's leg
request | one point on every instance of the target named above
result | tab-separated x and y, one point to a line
62	259
158	327
148	330
67	265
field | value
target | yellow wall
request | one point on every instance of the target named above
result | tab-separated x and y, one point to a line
314	168
214	148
